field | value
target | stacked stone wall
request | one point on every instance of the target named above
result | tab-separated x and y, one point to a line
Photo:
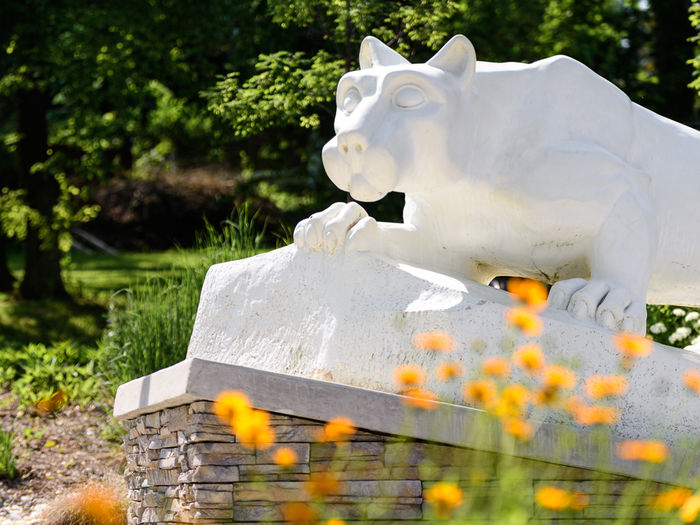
185	466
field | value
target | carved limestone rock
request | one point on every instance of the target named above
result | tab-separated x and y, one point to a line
542	170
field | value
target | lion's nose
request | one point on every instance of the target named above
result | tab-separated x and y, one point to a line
352	143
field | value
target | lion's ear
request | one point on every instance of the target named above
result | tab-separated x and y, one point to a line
374	52
457	57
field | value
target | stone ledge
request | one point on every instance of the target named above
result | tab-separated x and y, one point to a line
197	379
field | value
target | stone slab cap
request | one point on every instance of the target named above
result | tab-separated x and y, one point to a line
198	379
351	318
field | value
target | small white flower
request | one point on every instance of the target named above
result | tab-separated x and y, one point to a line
678	312
658	328
681	333
692	316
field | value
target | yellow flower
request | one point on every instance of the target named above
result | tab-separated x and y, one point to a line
480	392
598	386
436	340
285	457
229	403
252	429
671	499
409	376
596	415
513	400
552	498
297	512
691	379
420	398
335	521
532	292
528	322
444	497
651	451
689	511
631	345
338	429
529	357
558	377
518	428
323	483
496	366
448	370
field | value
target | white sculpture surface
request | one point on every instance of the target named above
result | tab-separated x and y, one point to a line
542	170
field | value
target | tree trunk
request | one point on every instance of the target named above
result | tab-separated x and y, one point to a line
7	280
42	268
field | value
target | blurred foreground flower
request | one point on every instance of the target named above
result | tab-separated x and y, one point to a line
596	415
518	428
444	497
631	345
285	457
334	521
558	377
449	370
513	400
481	392
651	451
496	366
436	340
229	403
671	499
531	292
297	512
420	398
338	430
553	498
409	375
691	379
321	484
690	509
528	322
252	429
598	386
529	357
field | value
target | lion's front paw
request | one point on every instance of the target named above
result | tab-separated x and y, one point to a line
610	306
327	230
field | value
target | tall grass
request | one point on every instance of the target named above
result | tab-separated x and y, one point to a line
153	330
8	460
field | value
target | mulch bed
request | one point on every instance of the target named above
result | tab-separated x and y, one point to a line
59	452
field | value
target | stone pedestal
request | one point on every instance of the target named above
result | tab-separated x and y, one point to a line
185	466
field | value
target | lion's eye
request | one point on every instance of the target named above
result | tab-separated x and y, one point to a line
409	97
351	100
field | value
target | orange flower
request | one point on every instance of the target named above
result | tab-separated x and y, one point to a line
52	403
480	392
572	404
552	498
97	503
598	386
671	499
690	509
285	457
691	379
533	293
631	345
338	429
596	415
444	497
322	484
579	500
420	398
529	357
437	340
229	403
335	521
409	375
517	427
651	451
516	396
252	429
448	370
528	322
297	512
496	366
545	396
558	377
